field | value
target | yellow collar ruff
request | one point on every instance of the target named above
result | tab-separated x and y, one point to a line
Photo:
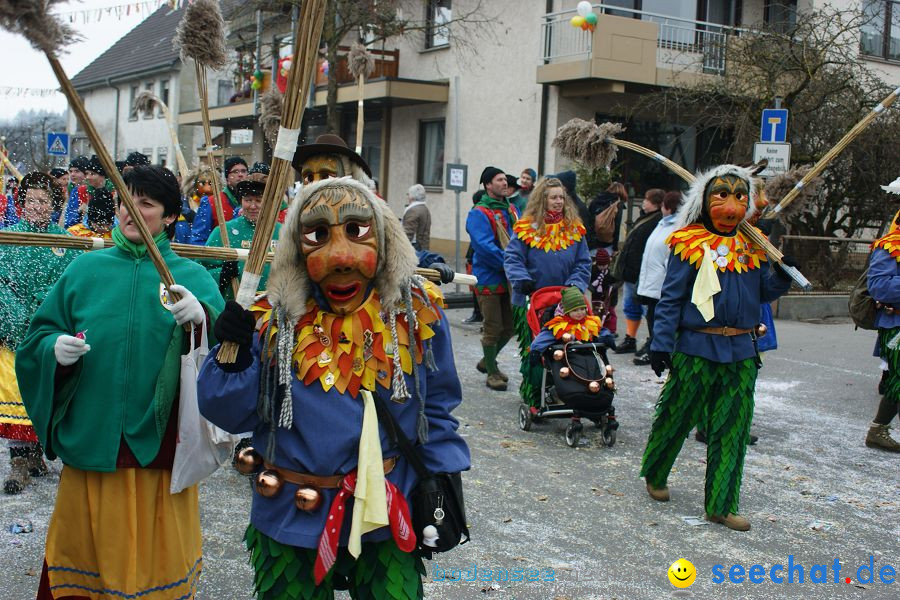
354	350
735	253
889	243
556	236
582	331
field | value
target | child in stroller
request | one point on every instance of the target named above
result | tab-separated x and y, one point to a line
577	379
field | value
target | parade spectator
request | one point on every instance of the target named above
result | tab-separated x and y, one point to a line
134	159
195	185
489	225
653	265
526	182
512	194
628	268
60	178
476	316
102	363
417	218
101	215
207	218
27	274
548	249
77	190
240	234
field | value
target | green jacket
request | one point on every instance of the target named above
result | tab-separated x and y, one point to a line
125	386
26	275
240	235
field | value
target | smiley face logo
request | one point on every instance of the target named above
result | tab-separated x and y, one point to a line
682	573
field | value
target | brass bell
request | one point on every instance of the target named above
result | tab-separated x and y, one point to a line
558	355
567	337
609	370
609	382
248	461
594	386
308	498
761	330
564	372
268	483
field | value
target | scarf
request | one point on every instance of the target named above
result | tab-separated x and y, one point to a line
136	250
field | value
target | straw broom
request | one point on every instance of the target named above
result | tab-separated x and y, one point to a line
303	66
831	154
361	66
201	37
593	145
47	34
144	103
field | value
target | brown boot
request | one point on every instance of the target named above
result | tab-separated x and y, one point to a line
482	369
658	494
731	521
35	462
879	436
18	476
495	382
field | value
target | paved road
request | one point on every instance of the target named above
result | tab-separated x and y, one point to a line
811	489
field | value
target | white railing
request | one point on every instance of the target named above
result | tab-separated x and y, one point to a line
705	42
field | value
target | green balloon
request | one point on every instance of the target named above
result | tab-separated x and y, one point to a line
591	18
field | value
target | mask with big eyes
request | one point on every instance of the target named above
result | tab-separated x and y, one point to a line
204	187
725	204
760	201
341	249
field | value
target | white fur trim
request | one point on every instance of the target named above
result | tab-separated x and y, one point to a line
692	204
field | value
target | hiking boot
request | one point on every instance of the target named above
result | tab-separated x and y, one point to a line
18	476
34	461
731	521
645	348
658	494
495	382
628	345
882	384
879	436
482	369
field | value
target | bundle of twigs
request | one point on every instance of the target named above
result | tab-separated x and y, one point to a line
780	185
144	103
587	136
837	149
271	105
303	67
50	35
361	65
201	36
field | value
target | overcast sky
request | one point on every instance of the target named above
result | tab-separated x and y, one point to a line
26	67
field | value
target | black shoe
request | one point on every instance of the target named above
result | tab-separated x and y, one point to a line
629	344
882	385
641	359
700	436
753	439
475	318
644	349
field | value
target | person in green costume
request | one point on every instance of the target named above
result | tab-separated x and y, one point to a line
99	369
240	234
26	274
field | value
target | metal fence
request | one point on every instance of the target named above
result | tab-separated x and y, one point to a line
831	264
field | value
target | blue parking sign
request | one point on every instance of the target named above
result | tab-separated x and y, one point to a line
773	127
58	144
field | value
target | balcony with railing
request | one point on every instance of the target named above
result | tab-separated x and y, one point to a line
630	45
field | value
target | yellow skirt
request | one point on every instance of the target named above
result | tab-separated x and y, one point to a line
14	421
123	535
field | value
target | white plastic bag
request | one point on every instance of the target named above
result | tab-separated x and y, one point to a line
200	447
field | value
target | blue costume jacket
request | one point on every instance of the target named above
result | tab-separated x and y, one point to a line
884	286
487	262
325	434
736	305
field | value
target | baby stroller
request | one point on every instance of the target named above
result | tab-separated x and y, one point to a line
577	379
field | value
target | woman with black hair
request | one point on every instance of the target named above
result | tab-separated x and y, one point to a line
101	362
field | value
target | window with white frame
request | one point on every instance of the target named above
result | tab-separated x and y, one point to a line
149	87
781	15
437	33
880	33
162	155
132	115
163	94
430	168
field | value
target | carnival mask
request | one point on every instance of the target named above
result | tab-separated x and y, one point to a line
322	166
727	200
760	201
341	249
204	188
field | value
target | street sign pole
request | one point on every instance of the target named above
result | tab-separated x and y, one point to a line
456	159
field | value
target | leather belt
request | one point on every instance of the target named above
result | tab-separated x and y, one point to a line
321	481
726	331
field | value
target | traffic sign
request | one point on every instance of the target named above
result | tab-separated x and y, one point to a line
773	127
778	155
456	177
58	144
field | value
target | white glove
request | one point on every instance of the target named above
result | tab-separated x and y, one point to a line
68	349
188	308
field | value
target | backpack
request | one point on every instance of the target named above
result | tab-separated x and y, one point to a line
605	223
498	225
863	308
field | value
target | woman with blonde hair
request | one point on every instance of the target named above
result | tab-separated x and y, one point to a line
549	249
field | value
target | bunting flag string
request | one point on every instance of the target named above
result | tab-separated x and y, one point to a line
10	91
119	11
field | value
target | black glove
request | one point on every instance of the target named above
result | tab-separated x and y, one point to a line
790	262
235	325
228	273
660	361
445	270
525	287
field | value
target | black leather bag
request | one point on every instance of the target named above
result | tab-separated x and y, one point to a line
436	500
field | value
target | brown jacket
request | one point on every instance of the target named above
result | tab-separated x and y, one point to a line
417	225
